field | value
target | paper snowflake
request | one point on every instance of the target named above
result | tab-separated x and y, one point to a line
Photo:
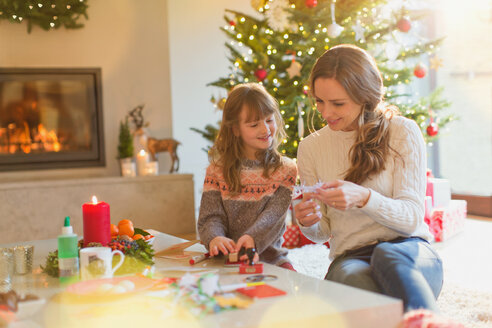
277	16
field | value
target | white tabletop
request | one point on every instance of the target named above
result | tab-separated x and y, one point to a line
309	302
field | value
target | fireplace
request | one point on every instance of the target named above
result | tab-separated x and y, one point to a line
50	118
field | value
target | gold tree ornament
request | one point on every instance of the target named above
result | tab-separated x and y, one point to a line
435	63
258	4
221	103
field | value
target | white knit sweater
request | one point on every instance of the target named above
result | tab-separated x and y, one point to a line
396	205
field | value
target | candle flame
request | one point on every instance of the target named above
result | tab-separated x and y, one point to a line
142	152
94	200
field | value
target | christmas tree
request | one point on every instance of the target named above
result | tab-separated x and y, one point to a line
47	14
279	46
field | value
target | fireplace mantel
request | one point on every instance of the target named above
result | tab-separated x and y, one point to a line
36	209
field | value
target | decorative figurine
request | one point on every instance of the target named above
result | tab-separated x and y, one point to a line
159	145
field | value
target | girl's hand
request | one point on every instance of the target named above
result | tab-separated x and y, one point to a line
342	195
307	212
246	241
221	244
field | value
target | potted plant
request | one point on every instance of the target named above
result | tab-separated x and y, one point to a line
125	150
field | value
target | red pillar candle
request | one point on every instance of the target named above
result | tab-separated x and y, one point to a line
97	222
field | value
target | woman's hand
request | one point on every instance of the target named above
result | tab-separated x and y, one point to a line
342	195
222	244
307	212
246	241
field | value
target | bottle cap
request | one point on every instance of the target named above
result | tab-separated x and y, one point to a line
67	229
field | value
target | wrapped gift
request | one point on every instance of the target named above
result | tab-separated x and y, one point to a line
303	240
440	191
428	207
291	236
448	221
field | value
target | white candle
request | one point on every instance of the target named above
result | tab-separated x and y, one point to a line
142	160
152	168
128	169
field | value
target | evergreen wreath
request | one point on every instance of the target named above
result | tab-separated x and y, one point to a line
47	14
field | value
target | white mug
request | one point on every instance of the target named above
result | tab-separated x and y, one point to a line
97	262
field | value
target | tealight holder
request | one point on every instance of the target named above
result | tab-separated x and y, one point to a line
128	169
23	256
152	168
6	268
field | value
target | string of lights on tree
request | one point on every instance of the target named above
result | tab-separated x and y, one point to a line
47	14
279	46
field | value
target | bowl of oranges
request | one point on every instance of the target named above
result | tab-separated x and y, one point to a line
126	231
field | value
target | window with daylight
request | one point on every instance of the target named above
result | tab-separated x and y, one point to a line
463	153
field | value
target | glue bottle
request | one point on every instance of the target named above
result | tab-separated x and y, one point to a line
68	253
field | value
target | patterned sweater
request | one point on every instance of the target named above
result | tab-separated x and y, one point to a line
258	210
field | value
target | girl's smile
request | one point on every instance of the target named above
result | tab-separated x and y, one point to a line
256	135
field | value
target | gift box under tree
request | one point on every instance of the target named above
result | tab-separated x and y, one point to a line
446	222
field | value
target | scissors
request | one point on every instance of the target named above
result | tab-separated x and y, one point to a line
260	277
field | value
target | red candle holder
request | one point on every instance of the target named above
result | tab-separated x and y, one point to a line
97	222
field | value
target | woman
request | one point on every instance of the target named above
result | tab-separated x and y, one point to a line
372	163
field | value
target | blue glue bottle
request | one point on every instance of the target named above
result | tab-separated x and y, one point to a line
68	253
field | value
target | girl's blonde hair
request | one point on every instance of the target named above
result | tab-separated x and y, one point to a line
357	72
228	148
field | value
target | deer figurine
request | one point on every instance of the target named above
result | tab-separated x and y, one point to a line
159	145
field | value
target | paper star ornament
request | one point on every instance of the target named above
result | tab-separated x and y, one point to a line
435	63
294	69
359	32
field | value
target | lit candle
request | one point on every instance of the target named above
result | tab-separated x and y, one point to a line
142	160
128	169
97	222
152	168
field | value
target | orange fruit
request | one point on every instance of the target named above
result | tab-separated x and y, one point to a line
114	230
125	222
137	236
125	227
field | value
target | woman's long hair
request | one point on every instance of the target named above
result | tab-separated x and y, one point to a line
357	72
228	149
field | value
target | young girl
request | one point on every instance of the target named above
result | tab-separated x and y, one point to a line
248	184
373	165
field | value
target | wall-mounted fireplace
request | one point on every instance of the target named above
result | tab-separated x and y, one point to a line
50	118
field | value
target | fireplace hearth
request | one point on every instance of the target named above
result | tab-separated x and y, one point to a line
50	118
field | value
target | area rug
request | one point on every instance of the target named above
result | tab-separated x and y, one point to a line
471	307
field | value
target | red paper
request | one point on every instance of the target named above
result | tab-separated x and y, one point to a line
261	291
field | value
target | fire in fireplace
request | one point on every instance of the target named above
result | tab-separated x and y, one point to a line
50	118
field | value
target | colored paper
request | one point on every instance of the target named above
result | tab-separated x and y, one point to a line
261	291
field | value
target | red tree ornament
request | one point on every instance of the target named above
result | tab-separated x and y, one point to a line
404	24
232	23
432	129
261	74
420	70
311	3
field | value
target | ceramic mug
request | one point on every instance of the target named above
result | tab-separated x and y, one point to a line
97	262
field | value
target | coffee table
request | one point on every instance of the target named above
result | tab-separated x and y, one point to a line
309	302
